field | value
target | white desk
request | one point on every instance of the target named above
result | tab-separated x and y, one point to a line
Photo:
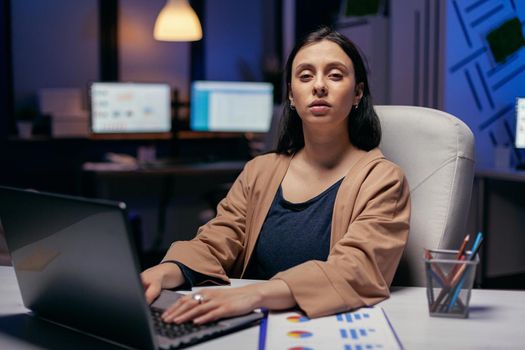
495	322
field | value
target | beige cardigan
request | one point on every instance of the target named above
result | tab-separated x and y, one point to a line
369	231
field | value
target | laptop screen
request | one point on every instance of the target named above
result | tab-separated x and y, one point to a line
231	106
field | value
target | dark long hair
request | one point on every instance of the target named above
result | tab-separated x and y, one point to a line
364	127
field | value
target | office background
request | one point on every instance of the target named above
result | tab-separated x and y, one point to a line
442	54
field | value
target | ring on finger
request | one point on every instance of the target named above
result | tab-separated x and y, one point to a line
199	298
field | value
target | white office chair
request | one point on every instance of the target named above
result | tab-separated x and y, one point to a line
436	152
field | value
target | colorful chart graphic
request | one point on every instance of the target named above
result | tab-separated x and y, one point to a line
350	317
355	333
299	334
363	346
297	319
300	348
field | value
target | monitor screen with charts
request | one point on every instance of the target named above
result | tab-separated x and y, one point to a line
231	106
130	110
520	122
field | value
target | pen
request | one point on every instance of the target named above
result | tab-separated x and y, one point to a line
459	256
456	273
476	245
460	276
461	250
456	293
262	330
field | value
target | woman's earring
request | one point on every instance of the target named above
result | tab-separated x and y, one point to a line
356	106
292	106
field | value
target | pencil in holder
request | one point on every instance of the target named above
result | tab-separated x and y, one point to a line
449	282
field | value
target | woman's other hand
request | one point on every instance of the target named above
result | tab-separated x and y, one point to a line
160	277
217	303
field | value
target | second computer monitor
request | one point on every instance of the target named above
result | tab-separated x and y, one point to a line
231	106
520	122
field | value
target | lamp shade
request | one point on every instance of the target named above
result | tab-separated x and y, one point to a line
177	21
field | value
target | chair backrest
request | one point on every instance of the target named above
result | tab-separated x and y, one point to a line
436	152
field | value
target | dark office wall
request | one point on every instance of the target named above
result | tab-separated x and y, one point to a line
234	39
310	14
5	72
55	44
41	46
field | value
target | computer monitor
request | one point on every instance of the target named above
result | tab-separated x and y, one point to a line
225	106
520	123
130	110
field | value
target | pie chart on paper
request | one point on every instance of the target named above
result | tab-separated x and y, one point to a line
299	334
297	319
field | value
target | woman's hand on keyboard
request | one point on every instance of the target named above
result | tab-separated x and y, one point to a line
217	303
160	277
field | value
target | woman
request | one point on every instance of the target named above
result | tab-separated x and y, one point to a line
325	218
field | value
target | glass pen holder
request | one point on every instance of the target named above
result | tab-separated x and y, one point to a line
449	281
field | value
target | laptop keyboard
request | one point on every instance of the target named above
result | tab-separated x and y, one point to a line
187	333
173	330
176	336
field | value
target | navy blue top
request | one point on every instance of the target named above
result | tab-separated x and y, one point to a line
292	233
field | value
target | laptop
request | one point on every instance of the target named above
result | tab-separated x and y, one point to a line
75	263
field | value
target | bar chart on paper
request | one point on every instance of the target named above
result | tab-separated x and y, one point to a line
364	329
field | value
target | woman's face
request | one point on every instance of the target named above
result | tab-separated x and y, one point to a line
323	88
